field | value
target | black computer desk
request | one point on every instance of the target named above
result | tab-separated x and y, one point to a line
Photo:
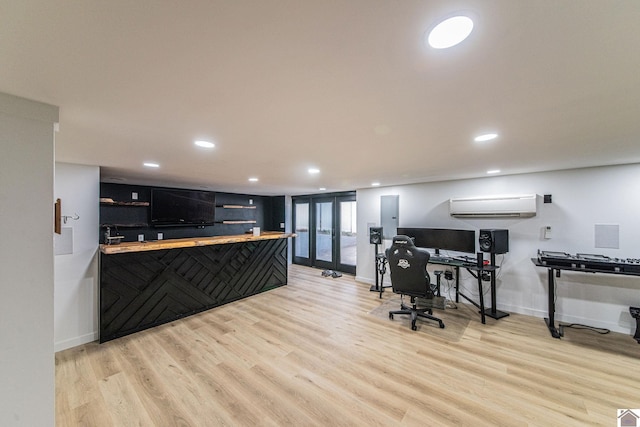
473	267
456	264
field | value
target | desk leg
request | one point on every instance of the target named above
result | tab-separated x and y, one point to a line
438	273
457	284
482	310
551	323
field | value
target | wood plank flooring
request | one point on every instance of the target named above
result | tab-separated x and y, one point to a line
311	354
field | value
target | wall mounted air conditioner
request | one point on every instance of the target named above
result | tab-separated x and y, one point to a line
522	205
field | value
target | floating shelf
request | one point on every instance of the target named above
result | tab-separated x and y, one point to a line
229	221
237	206
113	203
132	225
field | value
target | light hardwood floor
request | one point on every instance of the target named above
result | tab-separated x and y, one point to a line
310	353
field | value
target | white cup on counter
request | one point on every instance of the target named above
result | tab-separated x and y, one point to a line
256	231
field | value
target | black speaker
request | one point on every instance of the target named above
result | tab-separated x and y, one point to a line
375	235
494	241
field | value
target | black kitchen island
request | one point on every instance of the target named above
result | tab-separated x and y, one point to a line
145	284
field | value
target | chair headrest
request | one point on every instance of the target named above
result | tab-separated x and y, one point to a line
403	241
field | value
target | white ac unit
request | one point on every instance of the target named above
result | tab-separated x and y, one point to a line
522	205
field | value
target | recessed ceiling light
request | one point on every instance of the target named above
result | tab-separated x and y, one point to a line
485	137
151	165
253	179
450	32
204	144
314	171
322	188
493	171
375	184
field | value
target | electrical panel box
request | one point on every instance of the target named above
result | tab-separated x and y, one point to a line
389	209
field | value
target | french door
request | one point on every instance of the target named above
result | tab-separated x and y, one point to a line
326	232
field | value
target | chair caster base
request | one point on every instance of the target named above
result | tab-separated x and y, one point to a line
415	314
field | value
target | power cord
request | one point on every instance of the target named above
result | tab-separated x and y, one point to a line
561	326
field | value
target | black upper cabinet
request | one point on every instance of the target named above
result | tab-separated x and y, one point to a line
126	209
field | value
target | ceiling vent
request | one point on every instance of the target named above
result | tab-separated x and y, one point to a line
522	205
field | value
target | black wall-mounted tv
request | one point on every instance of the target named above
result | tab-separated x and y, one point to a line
171	207
442	239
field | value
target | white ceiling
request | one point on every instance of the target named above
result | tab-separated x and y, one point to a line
345	86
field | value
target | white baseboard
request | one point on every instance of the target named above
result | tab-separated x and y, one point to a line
365	280
76	341
596	323
541	314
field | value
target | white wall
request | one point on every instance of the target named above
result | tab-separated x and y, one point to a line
27	365
581	199
76	274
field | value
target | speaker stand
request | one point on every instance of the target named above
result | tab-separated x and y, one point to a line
381	269
375	288
493	312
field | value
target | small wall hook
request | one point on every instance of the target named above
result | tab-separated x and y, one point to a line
75	217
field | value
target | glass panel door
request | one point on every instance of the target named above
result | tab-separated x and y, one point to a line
324	233
348	235
301	221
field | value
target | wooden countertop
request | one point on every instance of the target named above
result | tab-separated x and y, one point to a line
190	242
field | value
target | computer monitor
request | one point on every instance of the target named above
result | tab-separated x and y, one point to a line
442	238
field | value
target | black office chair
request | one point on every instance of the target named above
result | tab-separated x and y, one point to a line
409	276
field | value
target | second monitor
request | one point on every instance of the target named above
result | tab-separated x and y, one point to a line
442	239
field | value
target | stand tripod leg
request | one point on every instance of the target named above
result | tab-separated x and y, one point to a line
376	287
